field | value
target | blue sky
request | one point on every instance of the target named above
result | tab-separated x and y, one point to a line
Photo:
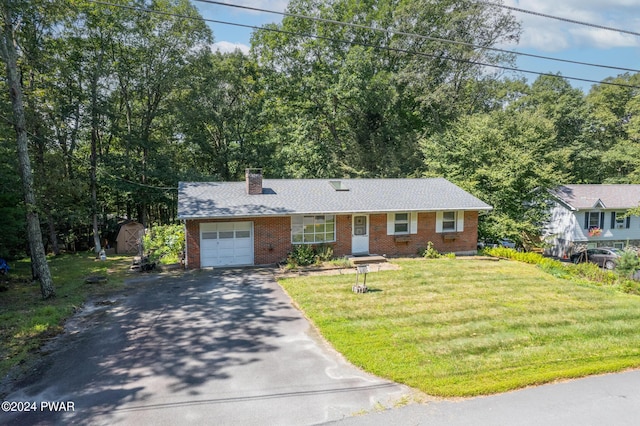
540	36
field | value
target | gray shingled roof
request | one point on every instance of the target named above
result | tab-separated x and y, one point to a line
580	197
309	196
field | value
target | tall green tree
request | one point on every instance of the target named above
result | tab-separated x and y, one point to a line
12	215
565	107
614	121
221	113
9	54
150	57
77	86
352	101
442	73
38	70
505	158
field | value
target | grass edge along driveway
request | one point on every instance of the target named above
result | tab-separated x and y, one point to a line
452	327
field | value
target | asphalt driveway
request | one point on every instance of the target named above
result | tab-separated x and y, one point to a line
211	347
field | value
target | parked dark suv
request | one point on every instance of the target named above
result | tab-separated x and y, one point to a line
605	257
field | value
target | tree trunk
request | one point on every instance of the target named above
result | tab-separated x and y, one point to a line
94	157
38	256
94	194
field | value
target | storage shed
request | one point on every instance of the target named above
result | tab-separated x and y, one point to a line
129	238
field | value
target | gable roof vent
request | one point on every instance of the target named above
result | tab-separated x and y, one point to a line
338	185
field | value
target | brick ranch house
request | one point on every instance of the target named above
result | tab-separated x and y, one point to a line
259	221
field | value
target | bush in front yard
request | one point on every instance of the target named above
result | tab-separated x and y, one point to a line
592	272
307	254
430	252
164	244
583	271
508	253
302	255
324	253
628	263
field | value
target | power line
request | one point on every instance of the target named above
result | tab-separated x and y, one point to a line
397	50
559	18
421	36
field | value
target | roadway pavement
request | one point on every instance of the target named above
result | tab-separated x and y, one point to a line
612	399
228	348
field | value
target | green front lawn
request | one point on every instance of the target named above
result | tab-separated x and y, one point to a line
454	327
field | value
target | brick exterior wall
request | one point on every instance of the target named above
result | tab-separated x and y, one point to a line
272	237
192	243
409	245
342	246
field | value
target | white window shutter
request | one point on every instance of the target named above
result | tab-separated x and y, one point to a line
438	221
414	223
460	224
391	217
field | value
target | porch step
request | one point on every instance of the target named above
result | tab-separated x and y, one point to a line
359	260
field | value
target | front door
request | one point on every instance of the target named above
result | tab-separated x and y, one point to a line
360	237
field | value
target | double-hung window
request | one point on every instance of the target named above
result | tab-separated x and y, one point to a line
313	229
449	220
401	223
593	220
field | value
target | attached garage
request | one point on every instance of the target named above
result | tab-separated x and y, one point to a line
226	244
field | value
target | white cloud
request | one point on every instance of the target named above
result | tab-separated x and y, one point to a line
275	5
229	36
604	39
228	47
554	35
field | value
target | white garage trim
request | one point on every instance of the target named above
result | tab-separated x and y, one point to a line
226	244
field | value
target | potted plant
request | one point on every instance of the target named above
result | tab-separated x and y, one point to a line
594	231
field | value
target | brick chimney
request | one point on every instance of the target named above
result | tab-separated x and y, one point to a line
253	178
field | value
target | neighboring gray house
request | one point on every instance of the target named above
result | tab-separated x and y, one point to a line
259	221
589	216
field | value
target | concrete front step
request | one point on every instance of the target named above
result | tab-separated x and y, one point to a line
359	260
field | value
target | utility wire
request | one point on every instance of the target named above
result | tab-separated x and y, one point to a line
391	49
424	37
558	18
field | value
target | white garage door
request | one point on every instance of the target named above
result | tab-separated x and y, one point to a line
226	244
